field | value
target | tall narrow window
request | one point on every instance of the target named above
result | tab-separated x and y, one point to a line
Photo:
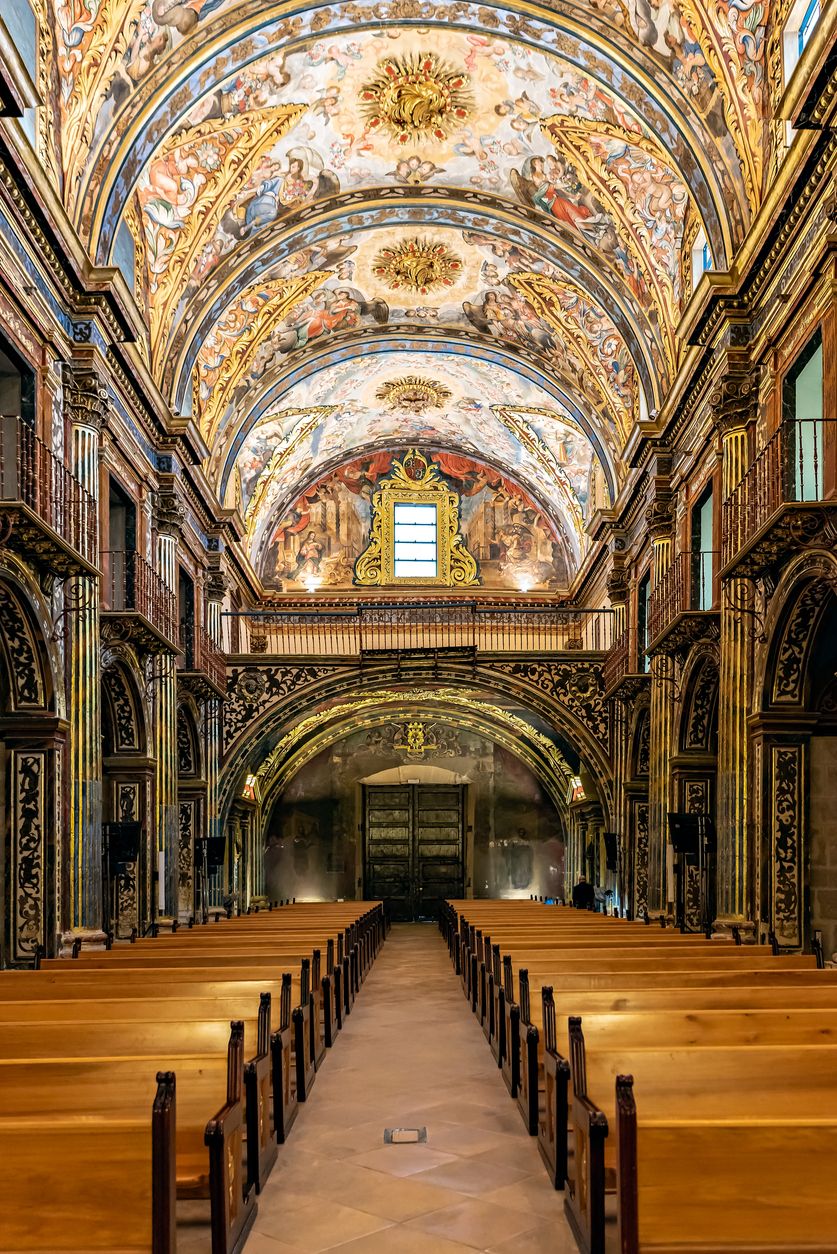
799	28
643	593
702	553
415	529
803	407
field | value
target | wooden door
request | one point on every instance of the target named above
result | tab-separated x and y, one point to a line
413	847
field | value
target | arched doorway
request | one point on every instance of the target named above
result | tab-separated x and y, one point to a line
445	812
795	759
635	851
32	737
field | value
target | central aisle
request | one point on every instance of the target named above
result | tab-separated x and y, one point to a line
411	1054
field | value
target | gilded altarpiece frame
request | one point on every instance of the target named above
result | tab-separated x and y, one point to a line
415	481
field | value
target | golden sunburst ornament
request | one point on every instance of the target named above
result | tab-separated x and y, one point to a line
418	266
413	393
415	97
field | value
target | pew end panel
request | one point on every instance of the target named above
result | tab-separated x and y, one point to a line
261	1138
232	1200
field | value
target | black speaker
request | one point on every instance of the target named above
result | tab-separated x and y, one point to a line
122	841
611	850
685	832
216	848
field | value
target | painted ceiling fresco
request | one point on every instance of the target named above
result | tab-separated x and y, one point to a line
493	208
316	540
476	409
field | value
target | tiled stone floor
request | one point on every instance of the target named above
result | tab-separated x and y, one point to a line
410	1054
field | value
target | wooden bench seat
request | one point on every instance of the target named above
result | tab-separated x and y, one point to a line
709	1088
322	994
210	1129
115	1187
291	1053
778	1024
612	971
159	1040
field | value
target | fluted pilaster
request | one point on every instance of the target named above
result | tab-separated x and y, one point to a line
85	399
661	729
735	694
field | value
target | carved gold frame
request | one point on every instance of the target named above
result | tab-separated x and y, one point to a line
415	481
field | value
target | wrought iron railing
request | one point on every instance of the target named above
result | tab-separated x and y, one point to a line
201	653
32	475
132	586
624	657
686	585
416	627
790	469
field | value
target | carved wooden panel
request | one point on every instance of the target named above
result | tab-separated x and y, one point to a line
787	817
29	790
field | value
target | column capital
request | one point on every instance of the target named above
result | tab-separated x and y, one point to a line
733	400
85	396
217	583
659	517
169	512
617	586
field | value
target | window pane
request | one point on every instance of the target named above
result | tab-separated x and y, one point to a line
405	513
416	532
415	538
415	570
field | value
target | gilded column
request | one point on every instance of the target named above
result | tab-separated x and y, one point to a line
85	398
169	518
660	519
216	586
617	591
733	402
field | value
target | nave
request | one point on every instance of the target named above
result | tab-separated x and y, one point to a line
410	1056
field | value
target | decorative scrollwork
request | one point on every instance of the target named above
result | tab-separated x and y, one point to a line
786	780
415	480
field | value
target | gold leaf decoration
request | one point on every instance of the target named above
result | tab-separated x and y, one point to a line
413	393
416	97
417	266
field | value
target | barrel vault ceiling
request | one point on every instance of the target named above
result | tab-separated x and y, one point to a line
359	225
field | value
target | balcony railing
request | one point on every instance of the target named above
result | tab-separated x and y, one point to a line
686	587
132	587
624	661
421	627
788	471
201	656
32	476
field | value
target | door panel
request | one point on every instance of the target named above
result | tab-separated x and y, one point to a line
413	847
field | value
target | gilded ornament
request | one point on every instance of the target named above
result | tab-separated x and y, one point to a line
413	393
418	266
415	480
416	97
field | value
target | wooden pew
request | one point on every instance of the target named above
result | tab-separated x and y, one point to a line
149	978
210	1129
115	1187
674	968
159	1040
710	1117
289	1051
811	1020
